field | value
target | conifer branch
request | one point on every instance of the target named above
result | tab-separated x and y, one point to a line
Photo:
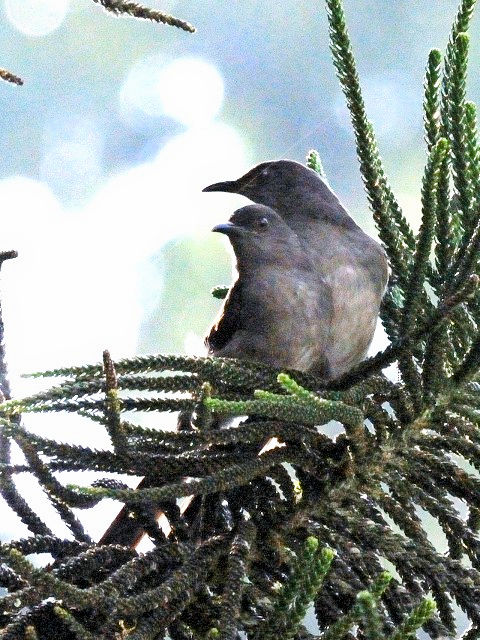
419	616
447	219
220	481
473	151
343	625
72	624
421	258
10	77
239	555
461	176
113	406
307	575
315	162
431	102
393	229
124	7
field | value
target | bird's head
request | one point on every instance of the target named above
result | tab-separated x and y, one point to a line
281	184
258	234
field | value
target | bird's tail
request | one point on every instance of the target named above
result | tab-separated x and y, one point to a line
128	529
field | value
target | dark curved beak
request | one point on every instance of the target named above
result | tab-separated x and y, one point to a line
230	186
227	228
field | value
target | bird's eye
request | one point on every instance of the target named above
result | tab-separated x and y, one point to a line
262	223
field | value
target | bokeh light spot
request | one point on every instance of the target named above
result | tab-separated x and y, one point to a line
70	169
36	17
189	90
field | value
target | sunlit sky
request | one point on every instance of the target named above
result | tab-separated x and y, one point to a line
36	17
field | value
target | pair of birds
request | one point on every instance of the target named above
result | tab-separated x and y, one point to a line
309	285
310	281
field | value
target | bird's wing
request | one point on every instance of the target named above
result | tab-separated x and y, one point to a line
229	322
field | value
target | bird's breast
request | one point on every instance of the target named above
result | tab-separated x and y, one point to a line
294	308
354	268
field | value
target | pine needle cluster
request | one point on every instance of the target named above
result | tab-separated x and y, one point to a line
128	8
279	518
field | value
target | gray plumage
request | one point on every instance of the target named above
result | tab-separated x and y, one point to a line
273	313
351	268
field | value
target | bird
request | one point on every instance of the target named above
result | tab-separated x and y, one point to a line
279	310
351	265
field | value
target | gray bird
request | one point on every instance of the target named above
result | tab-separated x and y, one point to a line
279	310
351	266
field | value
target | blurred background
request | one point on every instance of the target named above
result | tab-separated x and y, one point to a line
121	123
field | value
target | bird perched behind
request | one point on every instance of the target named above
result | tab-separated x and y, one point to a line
279	310
351	265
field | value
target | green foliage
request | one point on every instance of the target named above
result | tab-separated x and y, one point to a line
270	496
393	229
290	606
431	102
421	260
220	292
419	616
315	162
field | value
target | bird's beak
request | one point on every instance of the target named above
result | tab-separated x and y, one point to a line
230	186
227	228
